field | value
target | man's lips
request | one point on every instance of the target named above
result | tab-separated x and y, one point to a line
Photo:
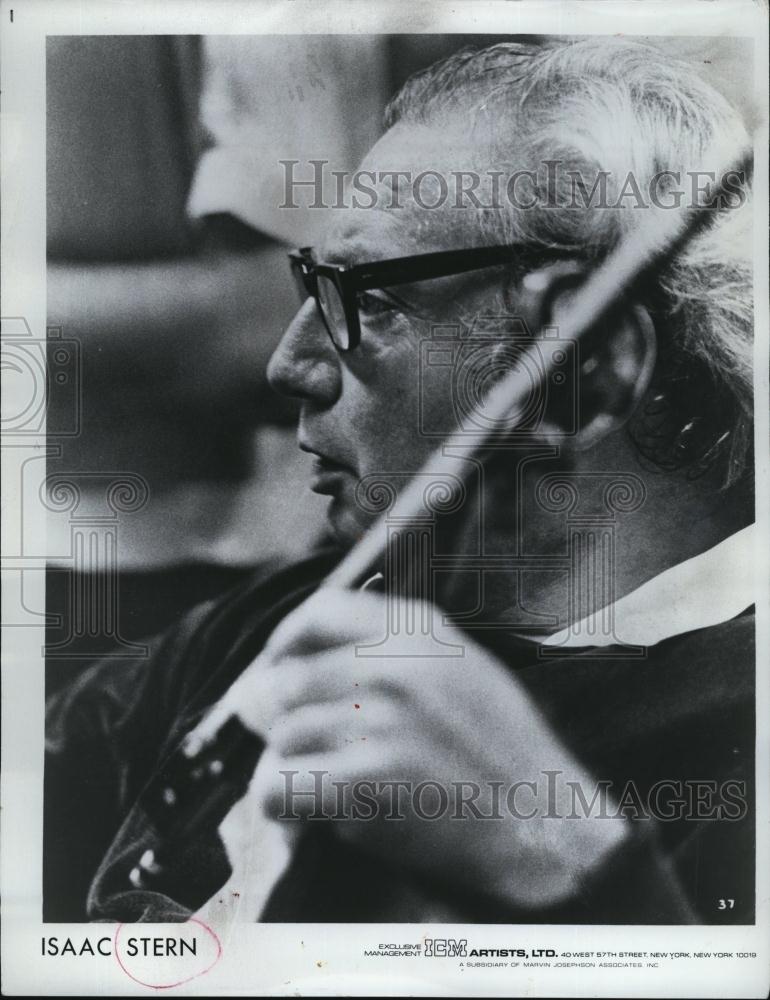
326	470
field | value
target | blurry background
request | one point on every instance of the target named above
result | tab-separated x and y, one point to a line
167	264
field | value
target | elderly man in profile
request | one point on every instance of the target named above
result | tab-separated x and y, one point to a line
518	696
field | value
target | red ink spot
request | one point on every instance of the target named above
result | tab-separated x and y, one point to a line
181	982
236	893
356	706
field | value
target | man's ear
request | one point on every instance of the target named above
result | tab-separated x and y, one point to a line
615	361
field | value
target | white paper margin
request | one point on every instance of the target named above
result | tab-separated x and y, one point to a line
307	959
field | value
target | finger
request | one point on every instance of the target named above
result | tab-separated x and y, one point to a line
328	619
261	694
319	784
336	675
265	692
251	698
322	626
208	727
320	677
331	726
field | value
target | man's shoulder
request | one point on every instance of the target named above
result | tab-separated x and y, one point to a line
726	649
200	654
695	689
216	641
720	656
268	594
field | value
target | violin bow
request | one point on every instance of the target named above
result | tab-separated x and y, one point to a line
193	791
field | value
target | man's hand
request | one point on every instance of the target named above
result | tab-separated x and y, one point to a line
361	734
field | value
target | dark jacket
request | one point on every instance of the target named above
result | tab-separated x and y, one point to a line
684	713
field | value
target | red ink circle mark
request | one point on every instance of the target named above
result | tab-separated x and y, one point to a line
181	982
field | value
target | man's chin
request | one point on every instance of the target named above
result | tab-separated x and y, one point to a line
346	528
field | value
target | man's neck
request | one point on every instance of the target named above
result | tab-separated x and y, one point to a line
570	541
678	520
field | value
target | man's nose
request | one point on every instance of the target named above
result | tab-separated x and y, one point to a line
305	364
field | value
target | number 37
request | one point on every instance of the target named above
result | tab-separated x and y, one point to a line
726	904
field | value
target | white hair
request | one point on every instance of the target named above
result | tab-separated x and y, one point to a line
622	107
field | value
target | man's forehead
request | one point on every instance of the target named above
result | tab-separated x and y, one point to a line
353	236
389	222
452	143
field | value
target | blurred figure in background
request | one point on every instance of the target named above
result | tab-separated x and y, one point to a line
176	286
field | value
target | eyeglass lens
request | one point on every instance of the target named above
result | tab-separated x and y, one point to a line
328	300
333	311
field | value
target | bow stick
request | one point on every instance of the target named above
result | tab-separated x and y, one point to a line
196	787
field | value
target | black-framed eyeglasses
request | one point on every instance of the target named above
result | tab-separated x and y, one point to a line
336	287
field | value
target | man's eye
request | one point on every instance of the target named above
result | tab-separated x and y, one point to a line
374	305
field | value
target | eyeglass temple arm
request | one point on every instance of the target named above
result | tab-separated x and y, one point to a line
444	263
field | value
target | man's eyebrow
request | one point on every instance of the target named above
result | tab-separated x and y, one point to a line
341	257
347	256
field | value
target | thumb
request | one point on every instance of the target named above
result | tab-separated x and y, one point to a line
331	618
248	698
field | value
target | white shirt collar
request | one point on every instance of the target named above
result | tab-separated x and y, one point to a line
708	589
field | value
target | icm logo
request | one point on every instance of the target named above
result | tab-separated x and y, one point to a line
445	948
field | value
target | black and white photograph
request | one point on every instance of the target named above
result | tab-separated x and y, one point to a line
385	505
